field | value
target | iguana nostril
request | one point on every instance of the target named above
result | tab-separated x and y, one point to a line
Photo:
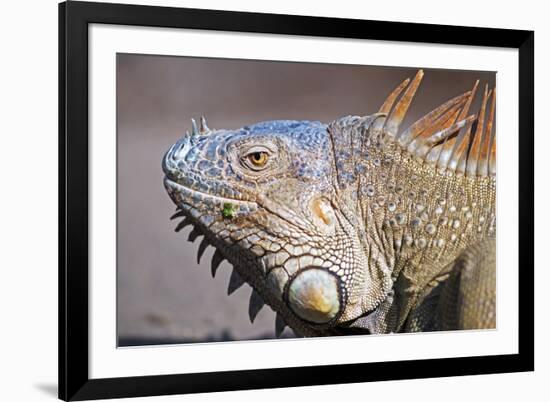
314	295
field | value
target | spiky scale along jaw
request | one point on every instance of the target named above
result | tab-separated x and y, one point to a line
331	224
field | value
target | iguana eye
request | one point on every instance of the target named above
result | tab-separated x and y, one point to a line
258	159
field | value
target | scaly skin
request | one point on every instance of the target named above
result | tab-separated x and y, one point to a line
342	228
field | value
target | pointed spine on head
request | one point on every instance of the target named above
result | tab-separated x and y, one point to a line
195	129
203	128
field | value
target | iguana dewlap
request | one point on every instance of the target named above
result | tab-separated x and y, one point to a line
353	226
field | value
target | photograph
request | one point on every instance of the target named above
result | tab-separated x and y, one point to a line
261	199
264	199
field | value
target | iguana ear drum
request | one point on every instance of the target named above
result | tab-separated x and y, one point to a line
314	295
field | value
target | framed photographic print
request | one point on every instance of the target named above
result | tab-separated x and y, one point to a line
323	193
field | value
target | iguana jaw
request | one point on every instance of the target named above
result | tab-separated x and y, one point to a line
191	200
307	299
310	300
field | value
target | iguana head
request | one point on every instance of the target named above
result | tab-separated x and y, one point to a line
264	196
296	206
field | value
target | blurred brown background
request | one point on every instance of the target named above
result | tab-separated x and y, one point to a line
164	296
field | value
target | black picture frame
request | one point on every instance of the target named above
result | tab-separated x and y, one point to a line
74	380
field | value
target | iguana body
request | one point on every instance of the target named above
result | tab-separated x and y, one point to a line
351	227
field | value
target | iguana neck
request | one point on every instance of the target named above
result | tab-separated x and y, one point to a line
421	217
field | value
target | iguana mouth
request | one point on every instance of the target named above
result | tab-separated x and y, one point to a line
189	198
201	210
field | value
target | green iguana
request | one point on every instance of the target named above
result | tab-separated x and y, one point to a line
353	226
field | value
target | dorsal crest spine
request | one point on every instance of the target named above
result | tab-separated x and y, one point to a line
447	137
